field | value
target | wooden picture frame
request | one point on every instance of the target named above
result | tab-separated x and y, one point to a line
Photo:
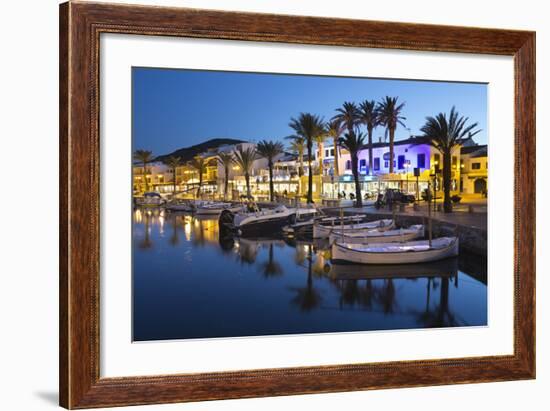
80	27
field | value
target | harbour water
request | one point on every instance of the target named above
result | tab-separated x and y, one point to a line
189	284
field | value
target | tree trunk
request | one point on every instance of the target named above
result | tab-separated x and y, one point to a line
145	175
355	171
174	182
392	133
321	157
447	206
247	179
200	185
369	170
336	166
226	182
270	166
310	176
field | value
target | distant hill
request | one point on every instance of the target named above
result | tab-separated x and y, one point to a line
187	153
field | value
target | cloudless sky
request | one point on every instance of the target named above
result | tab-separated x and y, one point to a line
179	108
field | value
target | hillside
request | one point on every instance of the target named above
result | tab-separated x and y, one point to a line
187	153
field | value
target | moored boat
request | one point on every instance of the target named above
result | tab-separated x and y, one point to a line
323	230
378	236
396	253
216	208
150	199
252	222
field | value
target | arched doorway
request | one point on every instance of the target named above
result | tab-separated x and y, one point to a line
480	185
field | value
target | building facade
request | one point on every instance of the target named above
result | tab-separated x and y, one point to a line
474	170
415	165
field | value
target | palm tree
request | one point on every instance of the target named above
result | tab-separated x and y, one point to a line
444	134
225	159
308	126
199	164
334	130
144	157
244	158
297	145
269	150
320	140
353	143
173	162
369	117
348	116
389	115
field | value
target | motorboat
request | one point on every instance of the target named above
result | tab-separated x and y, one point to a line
252	221
323	230
378	236
396	253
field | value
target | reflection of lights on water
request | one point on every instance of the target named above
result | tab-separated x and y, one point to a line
187	229
138	216
161	223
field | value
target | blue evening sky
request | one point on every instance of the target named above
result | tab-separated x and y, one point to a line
179	108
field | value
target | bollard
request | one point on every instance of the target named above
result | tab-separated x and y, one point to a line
439	207
401	207
470	208
416	207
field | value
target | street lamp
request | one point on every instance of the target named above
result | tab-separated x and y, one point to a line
407	166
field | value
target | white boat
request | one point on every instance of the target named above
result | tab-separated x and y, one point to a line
323	230
378	236
216	208
396	253
307	225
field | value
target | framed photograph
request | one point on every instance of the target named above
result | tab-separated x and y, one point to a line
259	205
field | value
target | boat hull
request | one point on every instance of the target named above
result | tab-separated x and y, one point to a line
215	211
323	231
263	227
354	254
376	236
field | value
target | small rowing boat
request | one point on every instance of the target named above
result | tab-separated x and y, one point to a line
396	253
377	236
323	230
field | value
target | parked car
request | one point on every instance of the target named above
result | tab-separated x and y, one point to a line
393	195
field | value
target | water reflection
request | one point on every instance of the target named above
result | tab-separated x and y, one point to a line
190	283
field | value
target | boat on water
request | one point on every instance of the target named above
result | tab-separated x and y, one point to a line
323	230
306	226
396	253
150	199
377	236
180	206
253	221
216	208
